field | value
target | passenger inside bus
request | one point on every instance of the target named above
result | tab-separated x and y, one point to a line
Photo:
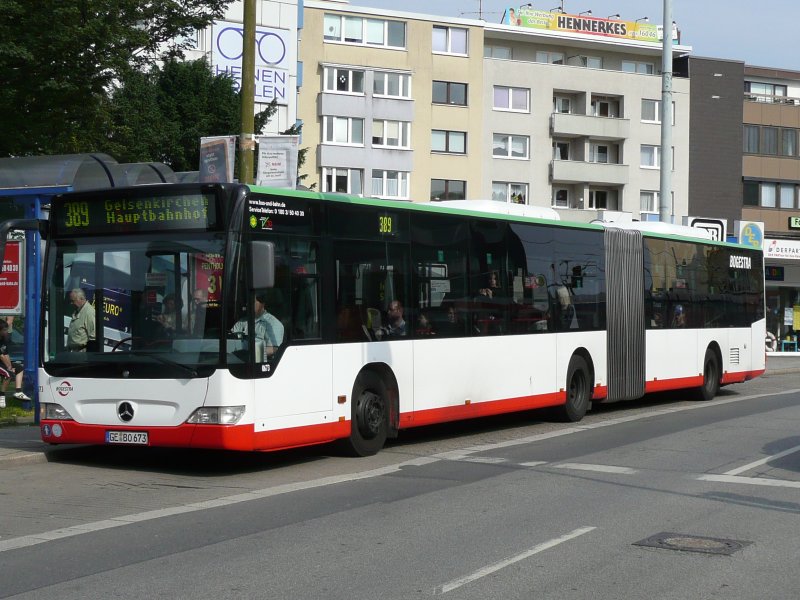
424	326
169	313
396	325
679	316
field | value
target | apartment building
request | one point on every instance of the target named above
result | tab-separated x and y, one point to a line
421	107
770	182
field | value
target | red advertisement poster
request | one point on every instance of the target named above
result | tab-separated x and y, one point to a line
208	276
10	279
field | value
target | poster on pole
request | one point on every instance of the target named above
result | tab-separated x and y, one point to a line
277	160
217	158
12	283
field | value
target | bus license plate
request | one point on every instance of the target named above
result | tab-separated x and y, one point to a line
127	437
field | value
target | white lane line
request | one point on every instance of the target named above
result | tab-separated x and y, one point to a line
750	481
763	461
489	460
533	463
47	536
597	468
31	540
488	570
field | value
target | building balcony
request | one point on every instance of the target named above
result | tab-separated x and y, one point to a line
573	171
602	128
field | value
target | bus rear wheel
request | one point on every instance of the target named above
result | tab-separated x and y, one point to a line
711	376
369	423
579	390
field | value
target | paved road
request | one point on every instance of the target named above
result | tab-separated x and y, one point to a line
513	507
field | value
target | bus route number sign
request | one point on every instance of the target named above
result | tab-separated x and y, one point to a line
387	224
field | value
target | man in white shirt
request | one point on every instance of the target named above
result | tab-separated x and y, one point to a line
269	329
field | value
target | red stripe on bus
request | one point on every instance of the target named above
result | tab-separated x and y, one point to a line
472	410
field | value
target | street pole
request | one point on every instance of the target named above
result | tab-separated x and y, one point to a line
247	143
665	193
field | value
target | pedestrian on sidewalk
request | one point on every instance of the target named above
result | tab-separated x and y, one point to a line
9	369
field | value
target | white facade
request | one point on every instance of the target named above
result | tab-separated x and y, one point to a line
276	55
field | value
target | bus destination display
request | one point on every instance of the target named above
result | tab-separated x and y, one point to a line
155	213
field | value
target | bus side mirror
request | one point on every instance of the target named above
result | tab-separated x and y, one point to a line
262	265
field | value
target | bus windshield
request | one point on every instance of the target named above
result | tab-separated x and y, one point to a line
148	304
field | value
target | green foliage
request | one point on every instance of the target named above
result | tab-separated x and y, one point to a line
162	114
60	59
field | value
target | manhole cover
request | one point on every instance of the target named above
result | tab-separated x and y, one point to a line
692	543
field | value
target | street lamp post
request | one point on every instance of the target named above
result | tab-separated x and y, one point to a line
665	191
247	142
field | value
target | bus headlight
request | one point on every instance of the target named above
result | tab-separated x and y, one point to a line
54	412
216	415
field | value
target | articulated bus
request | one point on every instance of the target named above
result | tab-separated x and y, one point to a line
394	315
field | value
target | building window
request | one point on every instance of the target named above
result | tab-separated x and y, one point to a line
390	184
787	194
750	197
361	31
769	140
605	107
516	193
449	92
591	62
391	134
765	92
490	51
602	200
553	58
560	150
651	111
343	130
448	189
751	139
599	153
789	142
449	40
768	194
560	198
343	181
648	202
510	146
511	98
394	85
345	81
452	142
632	66
651	157
562	104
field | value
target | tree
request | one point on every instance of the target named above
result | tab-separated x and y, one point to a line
60	59
161	115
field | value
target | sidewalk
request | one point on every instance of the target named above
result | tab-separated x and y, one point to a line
22	444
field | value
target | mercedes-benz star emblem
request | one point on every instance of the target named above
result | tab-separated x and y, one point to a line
125	411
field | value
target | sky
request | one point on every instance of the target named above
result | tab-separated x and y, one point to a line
761	34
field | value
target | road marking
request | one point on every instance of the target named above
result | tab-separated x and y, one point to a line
763	461
40	538
489	460
56	534
533	463
750	481
488	570
597	468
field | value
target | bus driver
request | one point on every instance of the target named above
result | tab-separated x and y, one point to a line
269	329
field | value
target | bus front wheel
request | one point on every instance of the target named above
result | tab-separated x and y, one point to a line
711	376
369	424
579	390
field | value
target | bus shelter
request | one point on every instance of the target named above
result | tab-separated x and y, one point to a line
27	185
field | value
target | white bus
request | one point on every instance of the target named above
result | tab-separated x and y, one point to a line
394	315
